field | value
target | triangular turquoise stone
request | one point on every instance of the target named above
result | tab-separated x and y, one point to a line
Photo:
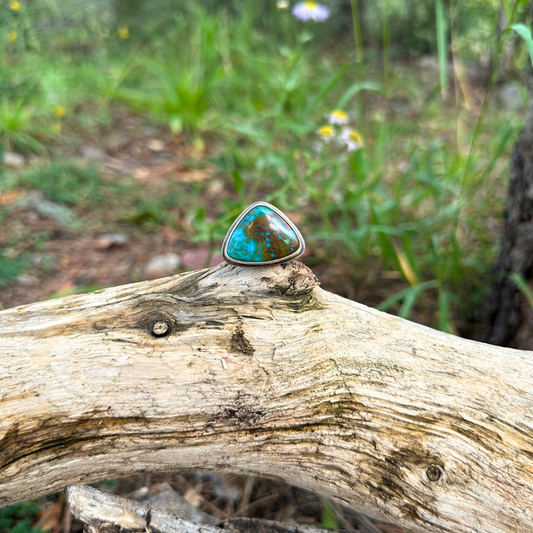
262	235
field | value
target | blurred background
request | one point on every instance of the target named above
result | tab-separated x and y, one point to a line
133	133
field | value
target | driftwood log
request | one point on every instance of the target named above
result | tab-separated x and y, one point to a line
259	371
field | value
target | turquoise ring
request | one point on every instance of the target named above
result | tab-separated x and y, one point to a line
262	235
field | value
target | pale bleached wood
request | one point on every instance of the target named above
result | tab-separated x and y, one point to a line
100	511
103	512
267	374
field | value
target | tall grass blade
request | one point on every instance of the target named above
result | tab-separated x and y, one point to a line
325	90
406	294
525	33
238	183
405	266
442	49
394	299
523	285
507	9
386	43
409	302
444	313
329	516
358	34
505	135
356	88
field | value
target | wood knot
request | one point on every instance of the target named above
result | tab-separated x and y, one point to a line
433	472
240	344
237	284
297	280
161	329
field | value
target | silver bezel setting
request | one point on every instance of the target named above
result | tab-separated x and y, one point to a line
227	239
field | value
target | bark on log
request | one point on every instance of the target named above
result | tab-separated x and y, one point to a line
265	373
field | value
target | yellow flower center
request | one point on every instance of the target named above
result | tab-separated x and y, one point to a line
338	113
325	131
311	5
356	137
123	32
14	5
12	36
59	111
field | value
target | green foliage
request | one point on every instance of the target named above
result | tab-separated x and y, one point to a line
19	518
181	86
253	84
179	98
64	182
154	211
329	516
525	33
78	289
17	128
10	268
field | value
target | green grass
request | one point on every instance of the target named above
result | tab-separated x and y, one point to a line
64	182
416	200
10	268
19	518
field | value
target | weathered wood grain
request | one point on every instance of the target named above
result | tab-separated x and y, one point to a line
107	512
265	373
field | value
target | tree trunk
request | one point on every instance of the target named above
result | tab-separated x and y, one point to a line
259	371
507	315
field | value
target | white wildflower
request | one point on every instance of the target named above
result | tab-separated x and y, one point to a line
310	11
326	133
337	116
352	139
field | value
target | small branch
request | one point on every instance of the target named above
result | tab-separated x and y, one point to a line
100	511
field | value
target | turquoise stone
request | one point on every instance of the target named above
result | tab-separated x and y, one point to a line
262	235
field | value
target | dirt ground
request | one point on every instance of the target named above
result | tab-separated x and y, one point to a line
109	247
